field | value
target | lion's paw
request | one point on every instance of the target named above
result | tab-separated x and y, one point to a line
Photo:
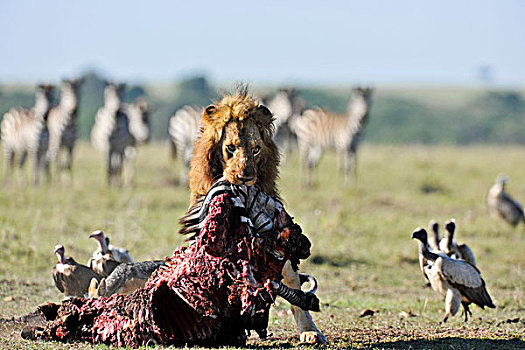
312	337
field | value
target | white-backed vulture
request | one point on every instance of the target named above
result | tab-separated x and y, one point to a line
119	254
454	250
458	281
501	205
433	239
72	278
102	260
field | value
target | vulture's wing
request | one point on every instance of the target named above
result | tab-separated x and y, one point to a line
509	209
121	254
59	279
467	279
467	254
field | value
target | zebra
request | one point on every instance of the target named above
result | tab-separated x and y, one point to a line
111	135
62	125
138	114
24	131
318	129
285	106
184	127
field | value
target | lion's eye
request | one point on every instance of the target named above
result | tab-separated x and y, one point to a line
231	149
257	150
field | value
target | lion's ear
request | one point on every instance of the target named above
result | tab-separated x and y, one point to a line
265	121
264	114
209	113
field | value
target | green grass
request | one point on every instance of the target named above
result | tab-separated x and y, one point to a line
362	253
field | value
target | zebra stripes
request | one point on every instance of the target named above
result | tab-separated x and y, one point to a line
62	124
138	114
184	127
318	130
112	136
306	301
24	131
285	105
257	208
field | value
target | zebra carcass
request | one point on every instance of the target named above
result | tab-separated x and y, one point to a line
209	293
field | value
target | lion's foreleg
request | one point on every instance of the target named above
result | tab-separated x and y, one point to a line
307	329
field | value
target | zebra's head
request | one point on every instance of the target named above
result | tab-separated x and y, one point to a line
45	91
236	142
113	94
72	85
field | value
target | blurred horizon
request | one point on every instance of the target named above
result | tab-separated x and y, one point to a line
274	43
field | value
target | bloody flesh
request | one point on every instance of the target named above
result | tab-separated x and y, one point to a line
210	293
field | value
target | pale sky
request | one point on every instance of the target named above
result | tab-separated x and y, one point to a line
323	42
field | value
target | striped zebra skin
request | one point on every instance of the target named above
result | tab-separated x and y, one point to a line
111	135
138	115
62	125
285	105
318	130
184	128
24	132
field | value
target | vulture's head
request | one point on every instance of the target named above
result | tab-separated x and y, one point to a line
101	239
433	225
60	252
420	234
502	180
450	226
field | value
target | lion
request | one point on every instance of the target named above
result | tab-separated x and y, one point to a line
236	141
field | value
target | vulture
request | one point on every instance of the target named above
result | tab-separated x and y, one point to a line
449	245
125	278
102	261
72	278
120	254
434	226
500	204
433	240
457	280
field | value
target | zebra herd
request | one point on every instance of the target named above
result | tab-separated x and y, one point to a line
312	131
44	131
47	133
118	128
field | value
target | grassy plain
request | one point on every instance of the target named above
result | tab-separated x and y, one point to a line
362	253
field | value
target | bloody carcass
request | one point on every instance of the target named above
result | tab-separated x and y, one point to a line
212	292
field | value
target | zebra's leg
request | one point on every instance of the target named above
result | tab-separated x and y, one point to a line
346	166
22	160
68	164
46	162
37	163
313	156
9	156
119	165
130	155
21	163
308	332
69	158
110	170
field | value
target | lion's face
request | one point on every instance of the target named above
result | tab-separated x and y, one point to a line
236	142
241	147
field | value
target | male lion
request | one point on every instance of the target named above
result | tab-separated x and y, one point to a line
236	141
